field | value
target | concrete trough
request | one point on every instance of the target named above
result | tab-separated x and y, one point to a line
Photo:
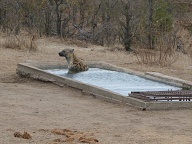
37	71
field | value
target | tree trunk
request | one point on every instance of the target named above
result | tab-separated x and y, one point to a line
126	35
48	22
58	21
150	25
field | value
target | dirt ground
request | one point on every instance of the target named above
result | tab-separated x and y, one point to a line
46	111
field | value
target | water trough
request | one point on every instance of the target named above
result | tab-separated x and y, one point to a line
104	81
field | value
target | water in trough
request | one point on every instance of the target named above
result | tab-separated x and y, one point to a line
114	81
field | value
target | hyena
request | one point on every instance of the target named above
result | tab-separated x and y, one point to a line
74	64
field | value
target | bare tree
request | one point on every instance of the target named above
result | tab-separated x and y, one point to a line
150	25
125	33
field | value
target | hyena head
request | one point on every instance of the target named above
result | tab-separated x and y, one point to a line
67	53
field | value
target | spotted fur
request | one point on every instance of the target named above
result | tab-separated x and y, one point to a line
74	64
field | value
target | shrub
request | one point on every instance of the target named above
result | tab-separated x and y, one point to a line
19	42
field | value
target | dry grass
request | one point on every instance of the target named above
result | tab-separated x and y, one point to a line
186	37
19	42
161	57
146	56
76	42
164	53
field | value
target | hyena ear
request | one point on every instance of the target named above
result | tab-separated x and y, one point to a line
72	50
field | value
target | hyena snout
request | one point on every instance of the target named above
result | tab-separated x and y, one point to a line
61	54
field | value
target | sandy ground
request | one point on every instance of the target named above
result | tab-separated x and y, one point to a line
40	108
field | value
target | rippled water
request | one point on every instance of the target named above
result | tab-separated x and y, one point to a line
117	82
